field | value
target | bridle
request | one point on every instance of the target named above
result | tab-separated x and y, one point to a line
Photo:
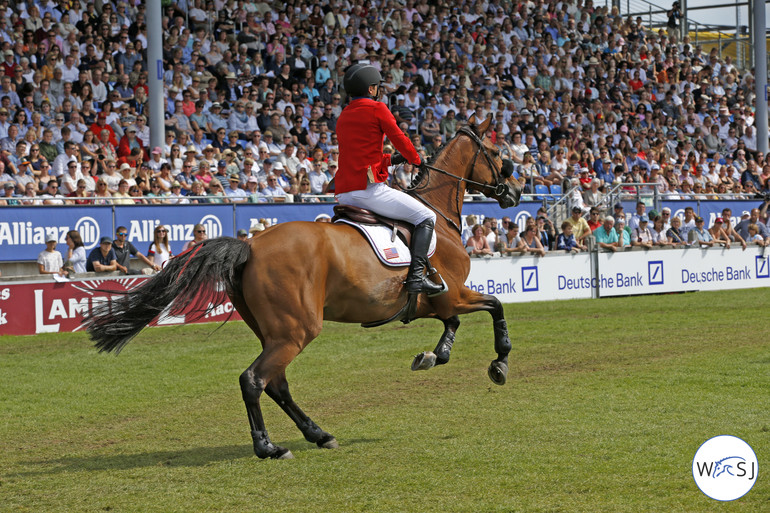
496	191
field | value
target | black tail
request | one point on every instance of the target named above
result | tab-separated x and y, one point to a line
191	282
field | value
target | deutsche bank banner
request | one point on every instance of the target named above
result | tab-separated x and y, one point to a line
653	272
530	278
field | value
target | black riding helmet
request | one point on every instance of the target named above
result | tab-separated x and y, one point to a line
359	77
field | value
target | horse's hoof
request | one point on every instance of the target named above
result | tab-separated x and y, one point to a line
424	361
285	456
498	372
329	444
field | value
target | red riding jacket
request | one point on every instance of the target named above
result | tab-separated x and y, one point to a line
360	131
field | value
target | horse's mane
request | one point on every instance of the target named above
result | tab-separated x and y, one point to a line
439	151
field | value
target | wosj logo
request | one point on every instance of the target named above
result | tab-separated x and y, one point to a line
21	233
725	468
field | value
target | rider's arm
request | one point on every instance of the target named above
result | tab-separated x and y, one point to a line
396	136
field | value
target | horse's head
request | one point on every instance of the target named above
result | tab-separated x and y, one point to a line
489	174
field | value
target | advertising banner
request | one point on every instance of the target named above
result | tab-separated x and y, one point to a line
23	230
710	210
518	214
178	219
58	307
679	270
249	214
521	279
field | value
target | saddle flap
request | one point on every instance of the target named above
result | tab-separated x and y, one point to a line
362	216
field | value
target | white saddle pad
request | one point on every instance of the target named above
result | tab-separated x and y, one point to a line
392	253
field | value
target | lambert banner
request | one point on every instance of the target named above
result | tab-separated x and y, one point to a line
58	307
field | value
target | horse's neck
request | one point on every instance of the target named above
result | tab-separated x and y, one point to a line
446	193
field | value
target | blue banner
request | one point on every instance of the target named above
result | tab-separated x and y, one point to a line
178	219
23	230
710	210
518	214
249	214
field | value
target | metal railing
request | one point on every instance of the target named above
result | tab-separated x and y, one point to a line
728	39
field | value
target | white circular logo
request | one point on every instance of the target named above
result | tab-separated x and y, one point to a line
89	231
521	218
725	468
213	226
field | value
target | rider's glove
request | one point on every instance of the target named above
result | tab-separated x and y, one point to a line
397	159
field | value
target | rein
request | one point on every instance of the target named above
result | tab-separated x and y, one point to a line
495	191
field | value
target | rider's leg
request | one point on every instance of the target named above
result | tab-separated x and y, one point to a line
386	201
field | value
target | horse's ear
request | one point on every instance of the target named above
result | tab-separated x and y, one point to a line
472	121
484	126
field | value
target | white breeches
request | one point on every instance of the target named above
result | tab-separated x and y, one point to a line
386	201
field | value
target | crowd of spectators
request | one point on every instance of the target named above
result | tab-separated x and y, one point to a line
582	99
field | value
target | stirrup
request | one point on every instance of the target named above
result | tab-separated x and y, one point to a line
444	287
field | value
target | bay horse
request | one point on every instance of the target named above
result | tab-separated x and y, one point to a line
287	280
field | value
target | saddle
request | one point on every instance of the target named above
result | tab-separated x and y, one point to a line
361	215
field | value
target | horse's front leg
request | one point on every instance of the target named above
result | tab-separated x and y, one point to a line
498	369
471	301
440	355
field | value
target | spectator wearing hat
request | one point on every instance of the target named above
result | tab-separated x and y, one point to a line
699	236
157	159
281	174
176	197
242	235
403	114
216	120
9	197
233	190
129	142
50	261
253	193
580	228
641	235
102	258
100	125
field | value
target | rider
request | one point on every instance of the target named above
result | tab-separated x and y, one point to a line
362	177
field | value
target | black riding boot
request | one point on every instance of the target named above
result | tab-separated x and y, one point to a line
416	281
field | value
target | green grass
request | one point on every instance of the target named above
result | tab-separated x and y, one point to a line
606	403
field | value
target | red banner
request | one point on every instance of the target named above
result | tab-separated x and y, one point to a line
58	307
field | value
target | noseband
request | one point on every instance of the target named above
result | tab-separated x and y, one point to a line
496	190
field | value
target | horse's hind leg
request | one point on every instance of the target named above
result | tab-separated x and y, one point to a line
254	380
278	390
440	355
